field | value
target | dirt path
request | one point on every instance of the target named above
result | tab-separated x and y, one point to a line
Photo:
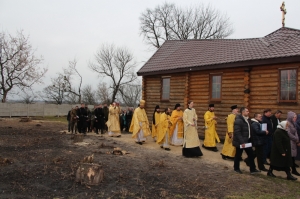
43	160
208	157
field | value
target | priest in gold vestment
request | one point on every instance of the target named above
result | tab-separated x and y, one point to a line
163	130
176	130
228	150
140	124
155	122
211	135
191	142
113	122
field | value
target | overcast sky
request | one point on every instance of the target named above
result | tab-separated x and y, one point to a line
62	30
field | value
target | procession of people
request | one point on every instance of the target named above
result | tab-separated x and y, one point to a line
263	137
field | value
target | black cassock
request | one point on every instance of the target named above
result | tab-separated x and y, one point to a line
99	120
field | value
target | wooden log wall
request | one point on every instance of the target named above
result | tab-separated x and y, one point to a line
153	93
264	83
232	93
256	88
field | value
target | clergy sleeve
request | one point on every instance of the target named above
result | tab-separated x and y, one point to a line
195	115
230	123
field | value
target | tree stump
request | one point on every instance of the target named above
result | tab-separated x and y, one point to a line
25	119
78	138
89	174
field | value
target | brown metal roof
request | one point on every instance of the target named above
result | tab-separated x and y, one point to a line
281	46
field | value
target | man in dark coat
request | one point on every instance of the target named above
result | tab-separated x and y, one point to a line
258	138
105	112
99	119
267	119
275	118
69	119
89	119
129	115
82	119
241	137
281	155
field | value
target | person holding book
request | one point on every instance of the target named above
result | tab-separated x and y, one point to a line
259	139
242	140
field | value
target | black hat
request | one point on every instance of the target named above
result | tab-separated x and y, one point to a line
233	107
211	105
177	105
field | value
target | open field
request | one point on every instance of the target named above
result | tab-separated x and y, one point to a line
42	160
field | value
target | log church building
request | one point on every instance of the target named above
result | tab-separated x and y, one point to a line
258	73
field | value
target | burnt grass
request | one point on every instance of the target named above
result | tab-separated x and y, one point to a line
41	163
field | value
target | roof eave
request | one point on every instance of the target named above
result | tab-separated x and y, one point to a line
249	63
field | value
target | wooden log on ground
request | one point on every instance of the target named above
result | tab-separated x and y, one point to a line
25	119
89	174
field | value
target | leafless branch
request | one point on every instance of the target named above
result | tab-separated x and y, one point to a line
19	66
168	22
116	64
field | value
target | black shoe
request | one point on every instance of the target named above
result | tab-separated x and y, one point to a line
140	143
238	171
266	163
296	173
264	169
223	157
215	149
270	173
255	171
167	149
161	147
290	177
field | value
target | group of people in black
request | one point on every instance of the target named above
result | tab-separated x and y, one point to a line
125	119
272	138
84	120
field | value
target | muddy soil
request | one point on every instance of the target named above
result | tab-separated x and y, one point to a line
41	160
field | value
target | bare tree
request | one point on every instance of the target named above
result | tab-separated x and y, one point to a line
116	64
88	95
18	65
103	93
69	74
56	91
168	22
71	98
28	98
131	94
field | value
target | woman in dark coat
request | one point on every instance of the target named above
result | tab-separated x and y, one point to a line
292	132
281	158
298	131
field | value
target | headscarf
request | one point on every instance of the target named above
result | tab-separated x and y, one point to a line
290	116
282	125
156	107
292	126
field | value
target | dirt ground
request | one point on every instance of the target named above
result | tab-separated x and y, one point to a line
42	160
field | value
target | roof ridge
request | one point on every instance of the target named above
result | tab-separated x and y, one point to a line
282	28
189	40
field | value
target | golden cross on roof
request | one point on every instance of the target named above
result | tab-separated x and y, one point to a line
282	8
